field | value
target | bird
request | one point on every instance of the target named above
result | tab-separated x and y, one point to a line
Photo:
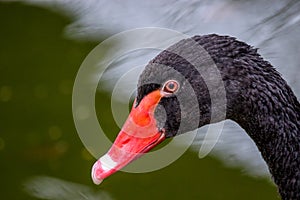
181	90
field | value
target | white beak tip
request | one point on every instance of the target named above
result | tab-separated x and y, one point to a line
96	180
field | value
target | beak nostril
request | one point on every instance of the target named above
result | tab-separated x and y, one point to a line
126	141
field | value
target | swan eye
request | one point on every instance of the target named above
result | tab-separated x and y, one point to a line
170	87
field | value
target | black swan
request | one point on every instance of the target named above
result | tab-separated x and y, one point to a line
257	98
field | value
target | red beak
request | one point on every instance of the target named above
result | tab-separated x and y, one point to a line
138	135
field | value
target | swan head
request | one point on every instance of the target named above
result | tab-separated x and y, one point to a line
185	87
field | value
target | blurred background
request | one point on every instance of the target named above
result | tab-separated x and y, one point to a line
42	45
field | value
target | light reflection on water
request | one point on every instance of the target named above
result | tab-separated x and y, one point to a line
50	188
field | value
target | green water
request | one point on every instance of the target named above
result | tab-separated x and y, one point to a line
38	65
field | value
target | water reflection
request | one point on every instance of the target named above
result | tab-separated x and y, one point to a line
44	187
192	17
283	20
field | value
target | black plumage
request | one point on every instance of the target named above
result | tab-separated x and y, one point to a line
257	98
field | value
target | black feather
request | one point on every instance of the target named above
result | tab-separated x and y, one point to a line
257	97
